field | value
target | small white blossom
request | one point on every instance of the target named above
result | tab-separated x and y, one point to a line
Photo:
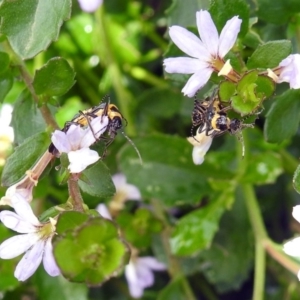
76	142
89	5
201	143
206	53
289	71
139	274
35	240
124	191
293	246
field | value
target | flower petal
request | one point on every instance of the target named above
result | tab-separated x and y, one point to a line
133	193
292	247
92	133
60	141
48	260
103	211
152	263
136	291
24	210
290	71
196	82
74	136
296	212
208	31
183	65
188	42
81	158
119	180
229	35
30	261
17	245
15	222
89	5
201	143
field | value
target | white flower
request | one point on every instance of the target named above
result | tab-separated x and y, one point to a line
25	186
201	143
76	142
124	191
206	54
90	5
139	274
35	240
289	71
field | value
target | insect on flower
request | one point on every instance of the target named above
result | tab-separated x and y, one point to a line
211	117
84	118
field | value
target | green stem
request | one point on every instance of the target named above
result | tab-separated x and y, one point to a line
260	236
125	99
173	265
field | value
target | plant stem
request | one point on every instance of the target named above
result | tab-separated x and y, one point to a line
281	257
74	193
173	265
260	236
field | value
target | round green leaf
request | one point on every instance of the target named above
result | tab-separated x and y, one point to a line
91	252
55	78
226	91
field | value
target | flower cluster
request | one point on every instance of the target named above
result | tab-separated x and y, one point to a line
35	238
207	55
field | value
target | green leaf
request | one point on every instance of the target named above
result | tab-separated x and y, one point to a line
97	181
227	90
25	109
91	252
246	100
264	168
195	231
49	288
174	290
167	172
31	26
265	87
282	120
270	54
296	180
277	12
55	78
139	228
228	262
24	158
6	83
183	13
222	11
4	62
